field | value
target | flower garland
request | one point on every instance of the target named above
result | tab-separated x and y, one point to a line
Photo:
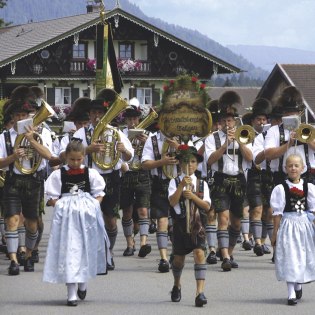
128	65
185	152
91	64
296	192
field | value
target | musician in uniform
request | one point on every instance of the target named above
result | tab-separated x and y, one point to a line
110	203
135	188
261	109
228	159
281	142
21	191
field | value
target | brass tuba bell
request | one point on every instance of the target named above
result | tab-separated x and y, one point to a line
245	134
32	158
170	171
305	133
108	136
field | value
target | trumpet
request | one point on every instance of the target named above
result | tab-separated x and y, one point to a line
305	133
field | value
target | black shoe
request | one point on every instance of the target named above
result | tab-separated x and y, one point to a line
13	269
298	294
164	266
258	250
219	254
144	250
72	303
35	256
266	249
273	258
212	258
234	264
81	294
247	245
29	265
20	256
292	302
200	300
226	264
112	266
176	294
129	251
152	228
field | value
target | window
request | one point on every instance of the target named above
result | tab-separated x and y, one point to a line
144	95
78	51
126	51
63	96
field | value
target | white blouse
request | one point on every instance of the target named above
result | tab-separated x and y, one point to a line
278	201
173	187
53	184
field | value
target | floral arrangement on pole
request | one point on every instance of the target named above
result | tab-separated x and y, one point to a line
185	81
128	65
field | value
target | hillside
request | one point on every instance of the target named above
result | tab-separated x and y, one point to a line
266	56
38	10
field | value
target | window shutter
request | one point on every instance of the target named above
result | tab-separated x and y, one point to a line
156	97
51	96
75	93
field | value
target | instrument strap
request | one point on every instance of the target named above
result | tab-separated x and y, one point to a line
88	137
264	133
157	155
217	146
9	148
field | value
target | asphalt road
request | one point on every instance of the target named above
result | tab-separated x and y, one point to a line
136	287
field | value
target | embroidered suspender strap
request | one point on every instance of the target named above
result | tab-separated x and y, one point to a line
88	137
217	146
9	148
240	162
267	161
157	155
282	141
307	159
181	201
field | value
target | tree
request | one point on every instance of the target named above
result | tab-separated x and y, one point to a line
2	4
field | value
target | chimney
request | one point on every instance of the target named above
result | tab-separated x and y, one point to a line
92	6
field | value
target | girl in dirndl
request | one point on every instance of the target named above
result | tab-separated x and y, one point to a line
293	232
78	247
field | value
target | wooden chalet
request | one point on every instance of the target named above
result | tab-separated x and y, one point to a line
60	56
301	76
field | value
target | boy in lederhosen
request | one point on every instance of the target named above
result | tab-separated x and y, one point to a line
97	108
22	191
261	109
228	160
135	188
188	187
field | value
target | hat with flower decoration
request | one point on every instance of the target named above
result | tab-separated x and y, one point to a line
185	152
103	100
79	109
133	110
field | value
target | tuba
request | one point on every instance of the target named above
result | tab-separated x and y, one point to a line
135	164
108	136
305	133
170	171
32	156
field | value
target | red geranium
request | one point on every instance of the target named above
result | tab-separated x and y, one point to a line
172	82
194	79
106	104
183	147
165	87
297	192
202	86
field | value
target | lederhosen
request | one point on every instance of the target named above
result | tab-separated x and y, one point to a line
135	189
110	202
159	196
21	192
183	243
293	203
82	181
232	185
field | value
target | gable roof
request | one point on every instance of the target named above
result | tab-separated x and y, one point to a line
300	75
19	41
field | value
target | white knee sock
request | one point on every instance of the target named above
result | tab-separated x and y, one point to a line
291	292
72	295
82	286
297	286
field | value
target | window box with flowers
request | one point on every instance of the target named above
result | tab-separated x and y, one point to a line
128	65
91	65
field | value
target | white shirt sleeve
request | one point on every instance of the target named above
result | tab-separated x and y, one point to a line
147	153
63	143
97	183
127	144
209	146
258	145
277	200
272	138
53	185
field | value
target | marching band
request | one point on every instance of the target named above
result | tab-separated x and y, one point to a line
150	176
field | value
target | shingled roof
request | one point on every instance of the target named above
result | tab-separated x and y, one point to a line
19	41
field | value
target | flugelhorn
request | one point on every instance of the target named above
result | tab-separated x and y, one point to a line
31	155
108	136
